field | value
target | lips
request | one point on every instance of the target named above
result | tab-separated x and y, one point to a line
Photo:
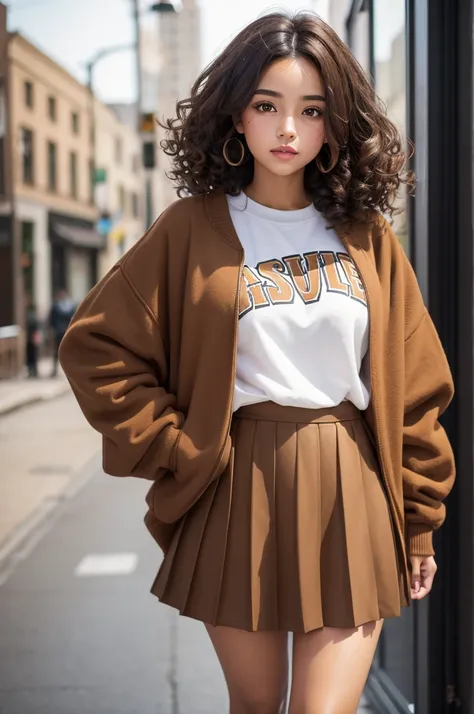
284	150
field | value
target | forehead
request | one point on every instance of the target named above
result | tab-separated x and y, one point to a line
292	76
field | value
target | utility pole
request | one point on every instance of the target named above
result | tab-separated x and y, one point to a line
138	60
147	137
90	66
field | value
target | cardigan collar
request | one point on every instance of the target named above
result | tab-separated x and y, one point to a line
219	216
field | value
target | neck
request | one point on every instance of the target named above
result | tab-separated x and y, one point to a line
285	193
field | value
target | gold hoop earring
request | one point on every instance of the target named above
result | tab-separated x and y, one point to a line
226	156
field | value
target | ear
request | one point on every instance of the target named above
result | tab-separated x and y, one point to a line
238	125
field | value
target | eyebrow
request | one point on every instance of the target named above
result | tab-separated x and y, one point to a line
306	97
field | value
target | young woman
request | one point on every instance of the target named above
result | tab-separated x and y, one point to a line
264	357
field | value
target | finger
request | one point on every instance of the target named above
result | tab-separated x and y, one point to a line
416	581
427	582
425	585
427	570
423	592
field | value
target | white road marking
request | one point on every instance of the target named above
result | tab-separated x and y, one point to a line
107	564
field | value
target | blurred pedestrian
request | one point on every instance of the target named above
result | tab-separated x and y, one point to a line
265	358
33	337
60	316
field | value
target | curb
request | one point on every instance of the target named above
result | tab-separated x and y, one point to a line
21	542
12	405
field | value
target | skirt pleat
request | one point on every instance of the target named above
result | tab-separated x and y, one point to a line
360	562
295	535
308	520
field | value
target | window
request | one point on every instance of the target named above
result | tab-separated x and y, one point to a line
75	122
2	166
27	156
52	108
134	205
28	259
73	173
358	32
29	94
118	150
389	50
121	199
382	54
52	169
91	174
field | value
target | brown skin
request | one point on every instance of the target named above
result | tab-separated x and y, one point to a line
288	120
423	569
255	666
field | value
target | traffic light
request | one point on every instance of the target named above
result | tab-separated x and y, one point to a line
149	154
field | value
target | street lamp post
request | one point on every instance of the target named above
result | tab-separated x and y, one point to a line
162	7
90	85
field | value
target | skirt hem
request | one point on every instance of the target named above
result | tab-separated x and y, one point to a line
295	535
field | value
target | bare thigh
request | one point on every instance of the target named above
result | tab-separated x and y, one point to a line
330	669
255	666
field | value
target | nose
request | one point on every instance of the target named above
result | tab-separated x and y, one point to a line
287	129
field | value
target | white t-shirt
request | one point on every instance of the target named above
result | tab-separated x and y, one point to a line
303	323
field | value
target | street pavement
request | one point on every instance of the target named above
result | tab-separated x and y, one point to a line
79	631
44	449
21	391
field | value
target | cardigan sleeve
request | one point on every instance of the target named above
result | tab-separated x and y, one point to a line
114	359
428	461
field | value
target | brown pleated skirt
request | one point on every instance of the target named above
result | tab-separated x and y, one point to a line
295	535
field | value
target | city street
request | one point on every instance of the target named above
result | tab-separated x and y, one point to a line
79	631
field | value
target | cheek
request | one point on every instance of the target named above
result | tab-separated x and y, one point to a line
255	127
313	136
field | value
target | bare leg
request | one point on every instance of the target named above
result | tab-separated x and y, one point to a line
255	666
330	669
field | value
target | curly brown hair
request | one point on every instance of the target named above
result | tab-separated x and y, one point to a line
363	161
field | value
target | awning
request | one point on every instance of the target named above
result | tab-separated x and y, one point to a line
77	236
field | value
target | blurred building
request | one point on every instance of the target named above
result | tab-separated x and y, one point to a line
119	182
52	190
179	46
11	335
152	203
419	54
8	300
50	197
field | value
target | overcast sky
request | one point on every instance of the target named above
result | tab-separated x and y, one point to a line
72	31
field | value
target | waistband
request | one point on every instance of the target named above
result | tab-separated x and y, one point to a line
270	411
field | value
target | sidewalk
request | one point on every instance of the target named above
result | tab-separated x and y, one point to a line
16	393
47	450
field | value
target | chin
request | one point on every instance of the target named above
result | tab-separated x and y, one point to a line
283	170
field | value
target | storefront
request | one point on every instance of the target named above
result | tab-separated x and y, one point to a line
420	55
75	246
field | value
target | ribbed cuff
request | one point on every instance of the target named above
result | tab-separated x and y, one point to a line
419	540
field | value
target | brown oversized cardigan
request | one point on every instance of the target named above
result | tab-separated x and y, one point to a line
151	358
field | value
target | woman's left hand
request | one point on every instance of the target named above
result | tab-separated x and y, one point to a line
423	570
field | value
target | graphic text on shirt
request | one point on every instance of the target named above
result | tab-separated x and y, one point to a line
281	281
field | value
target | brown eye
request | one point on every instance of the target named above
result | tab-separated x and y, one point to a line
264	107
315	112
